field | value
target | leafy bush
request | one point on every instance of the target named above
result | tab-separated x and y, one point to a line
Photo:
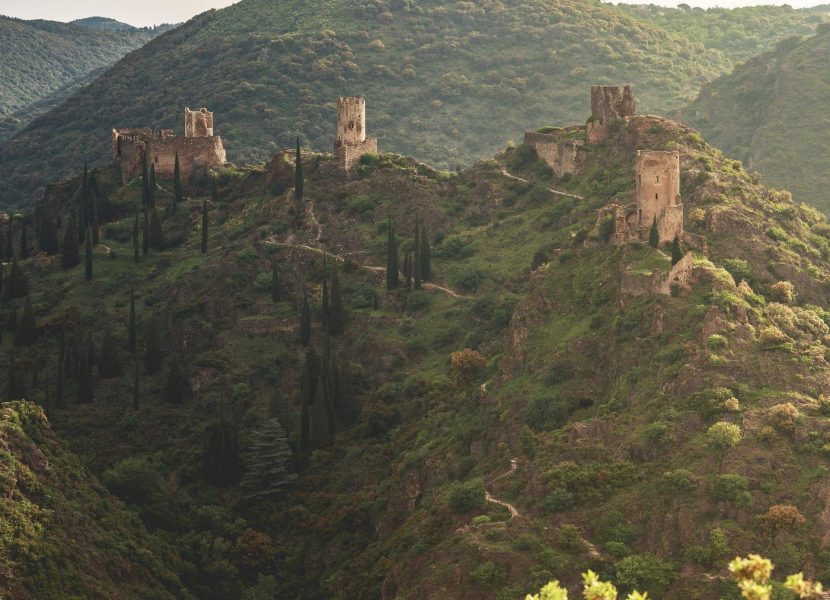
569	537
782	291
134	480
643	571
468	279
732	489
455	246
489	574
738	268
417	300
544	412
466	497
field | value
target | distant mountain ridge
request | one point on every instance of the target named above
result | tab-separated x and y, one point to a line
104	23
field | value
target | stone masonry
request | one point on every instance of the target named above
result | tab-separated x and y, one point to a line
563	154
198	149
608	105
351	142
658	192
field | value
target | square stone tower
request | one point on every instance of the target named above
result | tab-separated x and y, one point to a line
198	123
351	142
658	192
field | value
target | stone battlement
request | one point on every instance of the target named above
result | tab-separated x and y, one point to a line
197	150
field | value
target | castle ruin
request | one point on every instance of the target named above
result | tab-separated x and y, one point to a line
351	142
609	105
198	150
658	192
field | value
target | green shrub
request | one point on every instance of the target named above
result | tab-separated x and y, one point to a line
455	246
468	279
569	537
489	574
732	489
262	283
643	572
544	412
417	300
466	497
738	268
361	206
134	480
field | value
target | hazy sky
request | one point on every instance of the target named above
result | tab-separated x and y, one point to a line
134	12
153	12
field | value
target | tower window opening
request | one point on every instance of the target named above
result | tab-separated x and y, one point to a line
655	196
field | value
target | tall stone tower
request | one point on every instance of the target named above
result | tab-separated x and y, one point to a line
198	123
351	142
658	192
608	104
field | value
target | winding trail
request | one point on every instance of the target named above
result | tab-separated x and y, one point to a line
514	464
374	269
551	190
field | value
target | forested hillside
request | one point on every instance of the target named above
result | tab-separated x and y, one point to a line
445	82
39	59
208	348
769	113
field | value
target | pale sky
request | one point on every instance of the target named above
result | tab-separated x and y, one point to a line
153	12
140	13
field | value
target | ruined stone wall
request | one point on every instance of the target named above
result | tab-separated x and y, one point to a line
351	121
131	158
608	104
658	183
198	123
636	284
118	135
349	154
670	223
563	155
195	153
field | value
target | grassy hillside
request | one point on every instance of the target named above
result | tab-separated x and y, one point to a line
739	33
445	82
63	534
605	400
768	113
40	58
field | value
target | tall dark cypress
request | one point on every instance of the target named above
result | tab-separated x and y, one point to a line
84	376
328	388
17	284
136	249
325	299
275	282
95	221
131	332
305	409
156	241
177	390
676	251
152	186
25	333
407	269
305	323
391	258
48	238
153	358
337	317
654	234
177	182
135	385
145	184
214	188
204	226
88	255
83	206
70	256
109	361
426	256
416	261
145	232
24	243
299	182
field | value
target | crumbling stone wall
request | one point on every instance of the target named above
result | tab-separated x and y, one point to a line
658	191
608	104
563	155
199	149
351	142
659	283
198	123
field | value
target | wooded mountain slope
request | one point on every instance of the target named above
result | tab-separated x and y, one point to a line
771	113
445	82
38	59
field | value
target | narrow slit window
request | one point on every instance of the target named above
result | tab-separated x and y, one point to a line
655	196
658	179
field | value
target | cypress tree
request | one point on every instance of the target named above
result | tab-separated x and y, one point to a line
305	323
676	251
131	333
275	282
24	243
11	320
17	285
266	466
305	409
83	206
177	182
299	182
391	258
156	240
136	398
26	331
61	369
407	269
70	256
153	358
426	256
152	186
177	389
204	226
416	261
325	301
145	232
85	393
214	189
47	240
9	250
2	245
109	361
653	234
145	184
88	255
329	393
336	318
136	251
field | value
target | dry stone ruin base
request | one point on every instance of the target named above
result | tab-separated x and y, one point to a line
608	104
351	142
564	156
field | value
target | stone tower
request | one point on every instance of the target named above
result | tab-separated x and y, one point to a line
351	142
351	121
608	104
658	192
198	123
